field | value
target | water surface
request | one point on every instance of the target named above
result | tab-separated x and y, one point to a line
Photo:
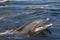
13	16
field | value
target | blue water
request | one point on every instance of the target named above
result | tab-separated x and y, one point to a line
15	14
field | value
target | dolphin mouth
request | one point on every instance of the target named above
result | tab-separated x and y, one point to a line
42	27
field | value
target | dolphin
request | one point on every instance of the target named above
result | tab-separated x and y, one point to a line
28	28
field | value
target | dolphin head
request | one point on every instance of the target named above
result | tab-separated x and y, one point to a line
34	26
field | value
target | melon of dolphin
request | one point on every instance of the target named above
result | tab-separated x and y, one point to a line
29	28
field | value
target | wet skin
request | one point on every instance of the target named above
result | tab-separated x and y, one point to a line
34	26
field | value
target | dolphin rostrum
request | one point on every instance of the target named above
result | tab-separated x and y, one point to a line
28	28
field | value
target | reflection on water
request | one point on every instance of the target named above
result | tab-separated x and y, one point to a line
13	17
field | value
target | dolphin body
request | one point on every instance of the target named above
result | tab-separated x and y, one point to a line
28	28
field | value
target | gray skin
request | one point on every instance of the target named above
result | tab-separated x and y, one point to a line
28	28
